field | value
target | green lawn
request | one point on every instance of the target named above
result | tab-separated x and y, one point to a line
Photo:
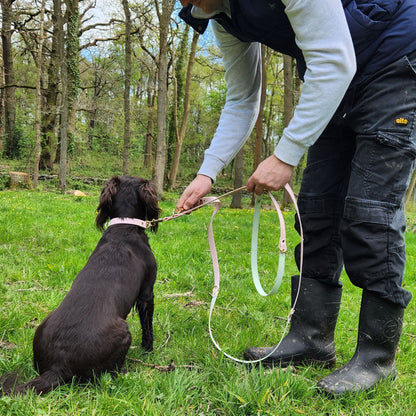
46	238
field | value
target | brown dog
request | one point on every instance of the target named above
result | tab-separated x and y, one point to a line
87	334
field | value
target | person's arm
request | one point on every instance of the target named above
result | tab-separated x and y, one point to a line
323	35
242	63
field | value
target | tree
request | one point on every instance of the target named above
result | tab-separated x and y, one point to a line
179	57
39	96
273	125
238	180
180	133
410	189
127	82
70	86
288	102
63	129
162	93
259	122
52	92
11	149
151	97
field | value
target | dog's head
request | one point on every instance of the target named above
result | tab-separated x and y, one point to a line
128	197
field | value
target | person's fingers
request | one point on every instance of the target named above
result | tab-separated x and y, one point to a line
271	175
192	195
250	184
254	186
183	200
259	190
190	202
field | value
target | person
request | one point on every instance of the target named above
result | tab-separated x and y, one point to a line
356	117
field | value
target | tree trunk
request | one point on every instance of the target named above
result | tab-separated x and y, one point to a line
410	189
288	103
288	88
162	92
186	111
238	180
63	130
127	82
11	148
268	113
2	103
179	55
70	87
39	96
298	171
72	72
52	92
259	122
93	112
148	151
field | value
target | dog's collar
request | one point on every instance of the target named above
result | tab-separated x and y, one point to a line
130	221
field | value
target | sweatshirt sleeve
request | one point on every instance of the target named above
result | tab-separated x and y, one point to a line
323	36
242	62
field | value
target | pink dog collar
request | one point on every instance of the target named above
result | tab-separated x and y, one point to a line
130	221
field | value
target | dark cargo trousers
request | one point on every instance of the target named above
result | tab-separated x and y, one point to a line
353	188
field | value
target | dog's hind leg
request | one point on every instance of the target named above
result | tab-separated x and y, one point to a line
113	352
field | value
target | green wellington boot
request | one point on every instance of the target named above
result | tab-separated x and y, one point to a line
310	339
379	332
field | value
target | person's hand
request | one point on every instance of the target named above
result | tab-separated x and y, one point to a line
192	195
271	175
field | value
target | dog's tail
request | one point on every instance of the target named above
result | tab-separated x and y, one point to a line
44	383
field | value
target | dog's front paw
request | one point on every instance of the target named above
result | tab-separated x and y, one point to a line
147	346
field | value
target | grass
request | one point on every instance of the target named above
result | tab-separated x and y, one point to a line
46	238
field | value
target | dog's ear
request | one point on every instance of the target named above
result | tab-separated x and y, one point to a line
106	201
148	194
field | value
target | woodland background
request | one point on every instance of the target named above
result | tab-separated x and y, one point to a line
95	88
